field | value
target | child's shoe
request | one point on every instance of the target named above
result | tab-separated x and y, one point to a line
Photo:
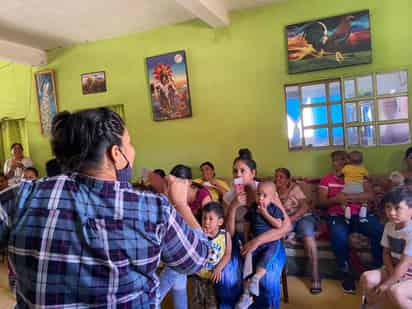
254	286
245	301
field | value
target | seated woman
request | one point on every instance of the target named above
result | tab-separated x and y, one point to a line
197	197
303	221
239	199
331	198
13	168
217	187
398	177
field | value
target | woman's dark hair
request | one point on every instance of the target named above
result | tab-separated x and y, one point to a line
207	163
284	171
339	153
408	152
80	139
160	172
246	156
53	168
32	169
16	144
214	207
181	171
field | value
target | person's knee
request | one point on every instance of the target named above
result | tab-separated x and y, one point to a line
180	282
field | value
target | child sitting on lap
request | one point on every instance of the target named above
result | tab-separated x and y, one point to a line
263	216
393	282
355	175
203	294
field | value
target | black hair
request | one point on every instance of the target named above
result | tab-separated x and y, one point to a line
32	169
397	195
408	152
214	207
16	144
339	153
207	163
284	171
160	172
2	175
80	139
181	171
53	168
246	156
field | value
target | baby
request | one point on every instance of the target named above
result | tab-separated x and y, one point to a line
355	175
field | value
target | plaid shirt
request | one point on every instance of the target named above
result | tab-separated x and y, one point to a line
78	242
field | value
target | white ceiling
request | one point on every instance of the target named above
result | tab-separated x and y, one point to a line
47	24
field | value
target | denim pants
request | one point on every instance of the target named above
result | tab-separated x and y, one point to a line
339	232
170	279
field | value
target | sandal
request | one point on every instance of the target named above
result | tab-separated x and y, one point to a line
316	287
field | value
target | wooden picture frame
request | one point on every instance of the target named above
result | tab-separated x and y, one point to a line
46	99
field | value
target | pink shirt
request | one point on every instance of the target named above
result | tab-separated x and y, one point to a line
201	194
334	185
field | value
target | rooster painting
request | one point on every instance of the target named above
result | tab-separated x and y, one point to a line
329	43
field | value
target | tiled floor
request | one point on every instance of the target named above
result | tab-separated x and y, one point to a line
299	296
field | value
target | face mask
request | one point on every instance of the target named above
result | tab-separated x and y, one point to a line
124	174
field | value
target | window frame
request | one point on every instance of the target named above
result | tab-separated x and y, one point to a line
375	123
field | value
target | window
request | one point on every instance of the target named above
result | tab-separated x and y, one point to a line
376	109
372	111
314	114
13	131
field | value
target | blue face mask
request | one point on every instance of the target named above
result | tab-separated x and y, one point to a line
124	174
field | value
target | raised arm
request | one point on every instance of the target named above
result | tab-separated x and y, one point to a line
231	212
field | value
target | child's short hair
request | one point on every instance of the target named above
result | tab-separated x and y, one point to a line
214	207
397	195
32	169
268	183
356	157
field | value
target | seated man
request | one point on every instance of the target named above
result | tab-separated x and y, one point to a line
331	197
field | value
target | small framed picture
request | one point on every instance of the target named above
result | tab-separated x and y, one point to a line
46	99
93	82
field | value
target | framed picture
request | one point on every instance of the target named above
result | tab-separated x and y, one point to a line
169	86
94	82
327	43
46	99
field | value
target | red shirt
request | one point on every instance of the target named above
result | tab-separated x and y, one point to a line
334	185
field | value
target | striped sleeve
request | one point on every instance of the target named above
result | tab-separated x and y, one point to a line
8	205
184	249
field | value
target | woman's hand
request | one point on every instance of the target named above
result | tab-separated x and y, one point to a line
177	190
216	275
249	247
239	200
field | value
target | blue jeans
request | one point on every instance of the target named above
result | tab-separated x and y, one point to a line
170	279
339	232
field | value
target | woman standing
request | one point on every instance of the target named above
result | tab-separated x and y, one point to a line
303	221
87	238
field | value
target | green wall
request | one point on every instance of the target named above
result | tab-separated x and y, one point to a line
236	77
